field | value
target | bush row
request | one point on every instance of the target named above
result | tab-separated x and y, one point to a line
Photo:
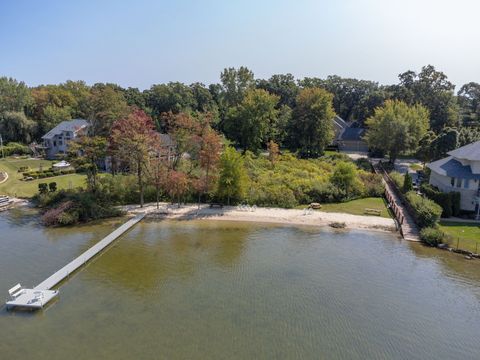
16	149
450	202
47	173
426	212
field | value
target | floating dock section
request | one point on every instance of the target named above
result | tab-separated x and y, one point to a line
41	294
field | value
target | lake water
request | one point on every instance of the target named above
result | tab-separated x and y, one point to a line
221	290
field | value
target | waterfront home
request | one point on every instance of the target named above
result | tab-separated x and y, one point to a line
460	171
56	140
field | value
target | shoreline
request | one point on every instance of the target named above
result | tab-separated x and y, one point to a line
264	215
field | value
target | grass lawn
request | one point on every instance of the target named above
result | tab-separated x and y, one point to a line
416	167
466	234
14	186
357	207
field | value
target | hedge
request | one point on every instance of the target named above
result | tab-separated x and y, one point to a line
426	212
450	202
16	149
47	173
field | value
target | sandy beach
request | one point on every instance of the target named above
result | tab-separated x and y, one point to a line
266	215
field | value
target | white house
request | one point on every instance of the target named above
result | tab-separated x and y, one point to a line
56	140
460	172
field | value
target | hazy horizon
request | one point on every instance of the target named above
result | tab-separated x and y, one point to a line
148	42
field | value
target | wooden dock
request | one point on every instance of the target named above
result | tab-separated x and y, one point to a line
36	297
407	227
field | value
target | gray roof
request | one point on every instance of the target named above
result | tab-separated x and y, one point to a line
452	168
166	140
337	120
352	134
468	152
68	125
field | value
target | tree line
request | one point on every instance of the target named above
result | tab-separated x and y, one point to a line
293	113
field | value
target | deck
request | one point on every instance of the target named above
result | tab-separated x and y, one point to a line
41	294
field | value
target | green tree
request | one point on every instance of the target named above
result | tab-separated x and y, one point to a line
86	152
311	128
283	86
396	128
469	101
15	126
353	99
249	123
106	104
234	84
446	141
407	183
173	97
345	177
425	151
432	89
14	96
52	104
233	177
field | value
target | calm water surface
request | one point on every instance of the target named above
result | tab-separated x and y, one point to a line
220	290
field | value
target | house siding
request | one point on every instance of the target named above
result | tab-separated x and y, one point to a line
468	195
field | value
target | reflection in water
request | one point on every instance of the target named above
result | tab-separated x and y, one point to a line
221	290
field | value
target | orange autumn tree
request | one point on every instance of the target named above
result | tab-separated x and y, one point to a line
176	184
132	140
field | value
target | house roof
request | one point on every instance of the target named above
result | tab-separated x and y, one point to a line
452	168
69	125
166	140
468	152
339	122
352	134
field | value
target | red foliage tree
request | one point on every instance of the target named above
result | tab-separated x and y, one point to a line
132	140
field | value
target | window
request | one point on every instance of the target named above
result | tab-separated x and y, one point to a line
459	183
452	181
466	184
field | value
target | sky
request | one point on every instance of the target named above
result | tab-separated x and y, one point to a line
143	42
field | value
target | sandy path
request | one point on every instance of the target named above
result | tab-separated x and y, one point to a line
269	215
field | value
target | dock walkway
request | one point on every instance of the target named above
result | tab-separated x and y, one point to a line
408	227
37	297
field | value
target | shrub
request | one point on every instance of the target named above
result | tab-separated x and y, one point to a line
397	179
278	195
427	212
42	188
450	202
373	184
73	206
432	236
407	183
16	149
364	164
52	186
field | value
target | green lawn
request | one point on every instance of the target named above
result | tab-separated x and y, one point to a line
15	186
467	235
357	207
